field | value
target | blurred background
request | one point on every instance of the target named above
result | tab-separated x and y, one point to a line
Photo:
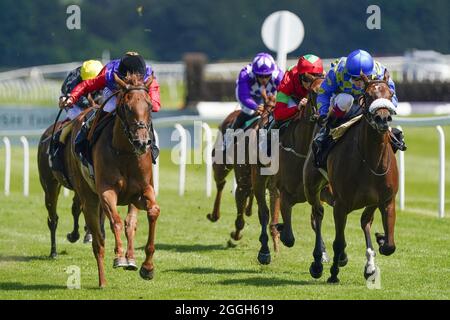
38	49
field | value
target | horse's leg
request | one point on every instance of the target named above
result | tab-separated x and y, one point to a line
92	214
386	241
52	188
339	244
248	209
153	211
366	223
76	211
274	213
243	191
220	173
285	229
130	231
108	202
259	187
319	253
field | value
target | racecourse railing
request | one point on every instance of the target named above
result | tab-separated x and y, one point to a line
177	124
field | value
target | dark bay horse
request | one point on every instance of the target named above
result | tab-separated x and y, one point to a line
362	172
51	182
294	148
123	176
243	174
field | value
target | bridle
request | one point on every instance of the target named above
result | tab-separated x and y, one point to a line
121	110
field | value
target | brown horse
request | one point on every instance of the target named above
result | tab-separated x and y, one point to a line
122	165
362	172
51	182
243	173
294	148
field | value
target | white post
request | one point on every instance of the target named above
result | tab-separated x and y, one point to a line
208	151
282	41
156	168
401	159
183	157
7	164
26	166
441	171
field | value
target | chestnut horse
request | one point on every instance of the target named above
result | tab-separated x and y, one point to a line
362	173
122	164
294	148
243	173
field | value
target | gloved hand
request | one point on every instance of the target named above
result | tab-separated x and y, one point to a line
66	102
302	103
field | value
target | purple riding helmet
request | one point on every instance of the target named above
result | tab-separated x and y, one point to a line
263	64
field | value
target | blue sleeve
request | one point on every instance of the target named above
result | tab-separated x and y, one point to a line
394	97
326	91
243	91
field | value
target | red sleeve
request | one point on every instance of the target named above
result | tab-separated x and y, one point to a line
155	95
91	85
285	90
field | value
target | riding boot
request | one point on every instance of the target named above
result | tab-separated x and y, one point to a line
397	140
320	146
56	156
153	147
81	142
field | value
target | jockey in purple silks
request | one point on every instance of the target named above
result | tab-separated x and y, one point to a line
262	73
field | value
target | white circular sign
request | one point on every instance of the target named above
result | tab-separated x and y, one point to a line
283	30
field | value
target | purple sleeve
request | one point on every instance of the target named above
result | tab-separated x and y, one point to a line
279	78
243	91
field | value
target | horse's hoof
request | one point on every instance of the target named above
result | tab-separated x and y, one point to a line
367	275
234	237
333	280
120	263
287	241
343	260
73	237
280	227
386	250
132	266
212	218
325	258
87	238
248	213
53	255
264	258
146	274
381	239
316	270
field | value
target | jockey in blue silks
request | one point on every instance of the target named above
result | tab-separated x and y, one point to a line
339	93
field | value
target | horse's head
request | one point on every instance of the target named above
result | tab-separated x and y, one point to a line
134	110
377	102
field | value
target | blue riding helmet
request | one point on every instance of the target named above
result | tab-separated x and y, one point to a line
263	64
360	61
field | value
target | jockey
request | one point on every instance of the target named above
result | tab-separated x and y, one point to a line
131	63
88	70
339	93
293	90
262	73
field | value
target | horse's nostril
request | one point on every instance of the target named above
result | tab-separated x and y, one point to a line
389	119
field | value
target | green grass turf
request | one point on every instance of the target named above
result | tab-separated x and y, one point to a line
192	258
